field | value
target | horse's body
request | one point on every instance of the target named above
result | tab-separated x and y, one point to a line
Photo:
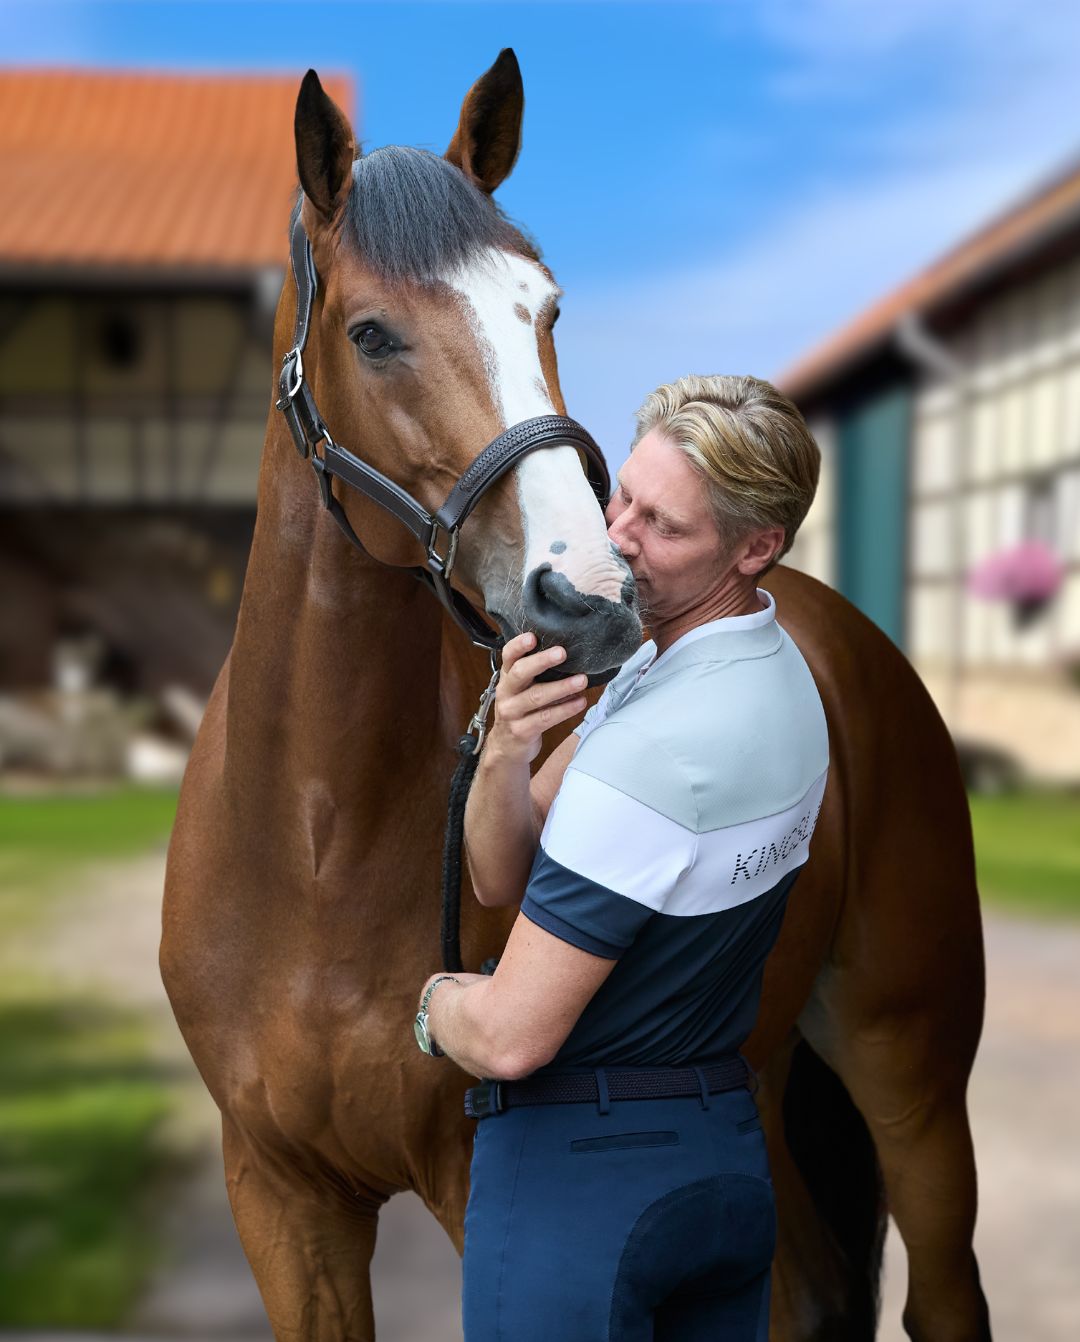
301	917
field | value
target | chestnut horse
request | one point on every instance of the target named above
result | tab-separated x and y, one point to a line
301	906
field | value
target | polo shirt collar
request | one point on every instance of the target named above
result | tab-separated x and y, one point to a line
730	637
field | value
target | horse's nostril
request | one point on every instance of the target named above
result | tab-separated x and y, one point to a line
598	633
555	592
629	592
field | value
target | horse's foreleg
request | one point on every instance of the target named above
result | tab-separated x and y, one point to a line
308	1243
907	1073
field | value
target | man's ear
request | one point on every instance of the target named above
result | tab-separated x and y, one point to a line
488	137
324	147
759	550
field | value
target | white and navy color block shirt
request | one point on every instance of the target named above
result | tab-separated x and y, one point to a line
681	824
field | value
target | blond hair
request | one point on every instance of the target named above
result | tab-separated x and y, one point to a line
750	444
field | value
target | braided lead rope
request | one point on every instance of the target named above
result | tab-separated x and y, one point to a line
450	930
468	747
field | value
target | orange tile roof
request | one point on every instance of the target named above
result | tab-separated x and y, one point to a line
161	171
992	247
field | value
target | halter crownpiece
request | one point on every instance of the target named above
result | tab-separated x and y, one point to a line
437	532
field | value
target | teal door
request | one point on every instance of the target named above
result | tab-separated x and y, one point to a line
873	444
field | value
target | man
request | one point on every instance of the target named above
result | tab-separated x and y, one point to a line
622	1191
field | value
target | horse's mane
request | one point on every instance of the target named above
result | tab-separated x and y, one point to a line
414	216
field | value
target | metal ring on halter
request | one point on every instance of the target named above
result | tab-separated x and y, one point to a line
435	561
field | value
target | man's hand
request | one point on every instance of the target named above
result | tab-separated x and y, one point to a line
524	710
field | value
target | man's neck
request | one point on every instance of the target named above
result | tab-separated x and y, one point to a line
740	600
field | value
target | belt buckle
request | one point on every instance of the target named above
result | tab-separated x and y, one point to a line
484	1100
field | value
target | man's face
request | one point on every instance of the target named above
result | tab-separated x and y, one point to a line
660	520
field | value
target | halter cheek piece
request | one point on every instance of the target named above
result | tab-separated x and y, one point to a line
437	533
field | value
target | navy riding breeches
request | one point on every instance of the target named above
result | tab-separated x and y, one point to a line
651	1222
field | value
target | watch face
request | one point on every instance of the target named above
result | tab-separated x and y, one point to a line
420	1030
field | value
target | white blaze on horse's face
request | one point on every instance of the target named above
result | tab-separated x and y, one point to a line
563	525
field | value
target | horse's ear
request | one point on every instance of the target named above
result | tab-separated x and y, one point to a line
324	147
488	136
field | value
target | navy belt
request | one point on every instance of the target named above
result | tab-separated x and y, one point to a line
654	1083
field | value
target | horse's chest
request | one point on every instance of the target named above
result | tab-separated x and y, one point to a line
308	1051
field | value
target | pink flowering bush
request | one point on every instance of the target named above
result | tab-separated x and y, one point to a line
1027	575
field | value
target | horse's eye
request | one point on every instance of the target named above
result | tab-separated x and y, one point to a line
556	315
373	341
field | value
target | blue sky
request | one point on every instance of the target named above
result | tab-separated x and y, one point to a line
717	186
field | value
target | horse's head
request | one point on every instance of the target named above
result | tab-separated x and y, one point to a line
434	334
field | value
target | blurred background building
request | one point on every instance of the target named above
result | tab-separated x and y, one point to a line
142	247
948	416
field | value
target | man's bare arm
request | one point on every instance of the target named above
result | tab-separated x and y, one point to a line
547	780
506	808
516	1020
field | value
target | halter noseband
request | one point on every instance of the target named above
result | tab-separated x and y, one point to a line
308	429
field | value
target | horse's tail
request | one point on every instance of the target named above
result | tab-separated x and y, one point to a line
833	1151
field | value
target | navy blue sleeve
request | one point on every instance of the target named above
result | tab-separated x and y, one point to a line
578	910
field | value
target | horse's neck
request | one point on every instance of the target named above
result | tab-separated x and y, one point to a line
335	669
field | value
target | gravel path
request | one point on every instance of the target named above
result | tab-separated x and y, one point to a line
1025	1103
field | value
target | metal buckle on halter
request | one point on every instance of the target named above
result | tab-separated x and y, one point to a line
297	374
435	562
484	1100
287	402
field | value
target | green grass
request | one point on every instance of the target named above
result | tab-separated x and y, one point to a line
51	831
45	840
81	1112
82	1103
1027	849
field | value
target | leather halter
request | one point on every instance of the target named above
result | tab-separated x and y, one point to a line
309	431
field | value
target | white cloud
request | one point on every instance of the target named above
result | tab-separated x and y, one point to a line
984	38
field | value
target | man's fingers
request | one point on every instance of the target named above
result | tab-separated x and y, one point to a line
533	725
517	647
527	708
527	667
523	703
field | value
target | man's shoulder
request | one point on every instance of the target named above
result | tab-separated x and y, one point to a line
633	757
715	740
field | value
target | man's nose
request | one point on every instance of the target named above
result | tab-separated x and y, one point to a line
621	536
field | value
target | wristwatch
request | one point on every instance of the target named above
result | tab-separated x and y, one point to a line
420	1029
